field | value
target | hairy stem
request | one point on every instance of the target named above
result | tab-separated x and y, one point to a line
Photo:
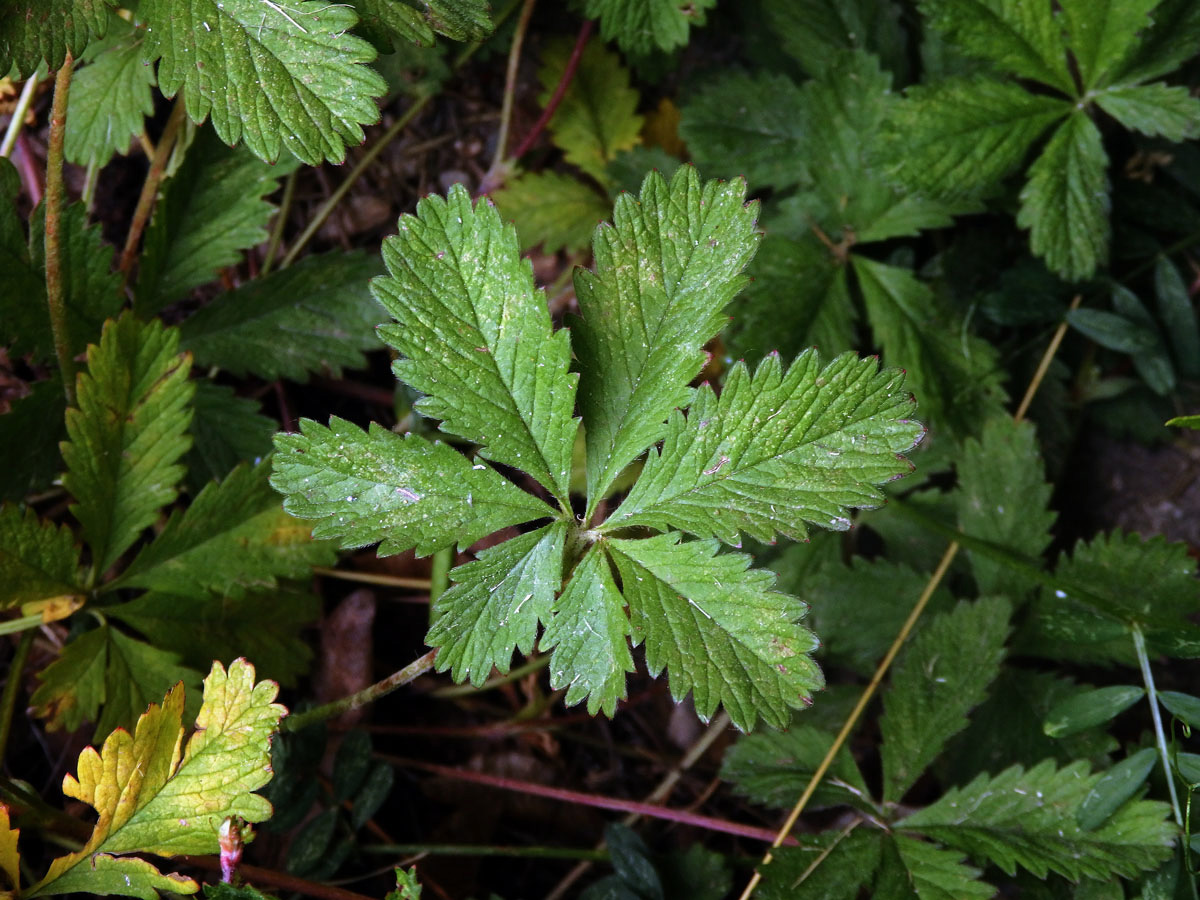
17	122
367	695
1160	737
145	204
55	292
12	687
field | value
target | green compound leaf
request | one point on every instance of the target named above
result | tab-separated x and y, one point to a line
210	212
1018	37
597	116
37	31
475	337
590	637
147	786
127	434
773	768
234	538
374	486
961	136
749	125
37	561
1103	34
553	210
109	99
1027	819
918	870
643	26
1155	109
777	449
496	602
315	317
275	75
665	269
1065	204
718	627
1003	498
943	675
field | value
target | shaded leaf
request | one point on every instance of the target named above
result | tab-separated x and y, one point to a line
1119	783
847	862
37	560
1178	315
1155	110
226	429
643	26
1103	34
552	210
1095	707
918	869
37	31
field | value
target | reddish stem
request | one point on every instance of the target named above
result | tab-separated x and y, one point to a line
560	90
599	801
259	875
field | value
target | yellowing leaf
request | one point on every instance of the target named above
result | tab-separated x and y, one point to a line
9	856
155	795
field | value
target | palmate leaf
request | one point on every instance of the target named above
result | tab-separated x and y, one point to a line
777	449
1103	34
365	487
109	99
106	677
1065	202
147	786
234	538
127	434
589	634
665	269
36	31
37	561
275	75
314	317
597	116
210	211
944	673
1027	819
718	627
551	209
642	26
496	602
476	338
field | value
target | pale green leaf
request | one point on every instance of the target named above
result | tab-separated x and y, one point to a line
475	337
918	869
226	430
774	768
147	786
275	75
10	856
1103	34
234	538
366	487
597	116
91	290
1178	315
944	674
317	316
955	378
777	449
665	269
831	865
590	636
1155	109
407	886
122	876
749	125
270	626
552	210
109	99
495	604
1027	819
961	136
1017	36
210	211
37	560
37	31
1090	708
1065	202
644	26
718	627
127	434
1003	498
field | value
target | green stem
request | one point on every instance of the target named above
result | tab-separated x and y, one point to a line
8	700
18	115
476	850
439	575
285	205
368	695
55	288
510	87
466	690
1160	737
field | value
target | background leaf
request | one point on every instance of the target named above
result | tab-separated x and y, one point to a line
37	31
641	26
37	560
552	210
